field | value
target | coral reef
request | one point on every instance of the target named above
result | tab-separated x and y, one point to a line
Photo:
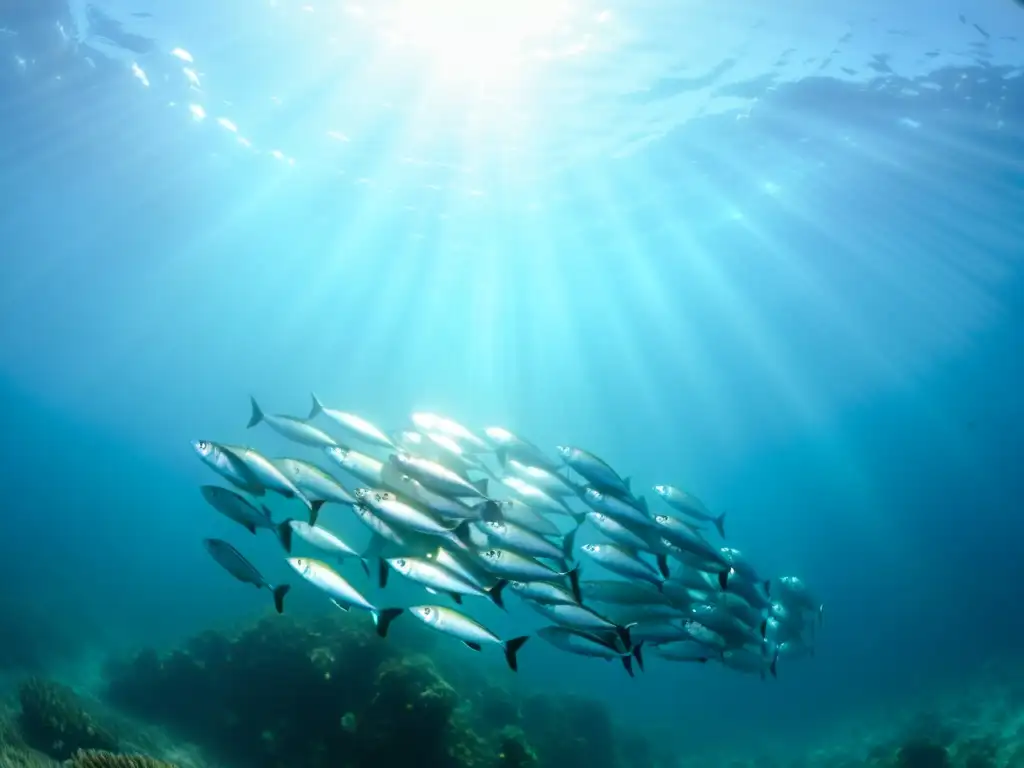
99	759
325	691
54	720
980	725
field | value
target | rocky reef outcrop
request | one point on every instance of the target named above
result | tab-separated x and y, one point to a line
326	692
55	721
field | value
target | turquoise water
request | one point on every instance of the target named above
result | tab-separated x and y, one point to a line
771	255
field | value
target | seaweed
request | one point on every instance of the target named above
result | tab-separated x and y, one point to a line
54	720
100	759
316	692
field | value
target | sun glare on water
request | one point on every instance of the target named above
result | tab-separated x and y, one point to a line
483	40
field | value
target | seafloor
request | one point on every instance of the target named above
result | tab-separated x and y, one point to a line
325	692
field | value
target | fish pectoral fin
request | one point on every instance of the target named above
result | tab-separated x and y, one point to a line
345	608
474	646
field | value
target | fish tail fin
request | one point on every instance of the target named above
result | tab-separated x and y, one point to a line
764	629
284	535
316	409
627	662
767	587
501	454
382	573
821	613
723	578
720	524
480	485
314	510
512	648
774	668
495	593
568	545
574	583
375	547
383	618
638	654
578	517
460	531
366	565
279	592
490	511
257	414
663	568
624	635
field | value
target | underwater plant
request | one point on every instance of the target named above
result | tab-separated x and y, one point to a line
54	720
316	692
100	759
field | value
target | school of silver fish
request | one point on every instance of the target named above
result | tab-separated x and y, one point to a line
470	516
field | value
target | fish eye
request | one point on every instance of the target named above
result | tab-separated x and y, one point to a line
661	519
427	611
400	562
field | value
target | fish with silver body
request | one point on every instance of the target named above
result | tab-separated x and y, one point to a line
232	561
689	505
351	423
291	427
472	634
236	507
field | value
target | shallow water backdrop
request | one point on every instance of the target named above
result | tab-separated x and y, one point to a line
768	252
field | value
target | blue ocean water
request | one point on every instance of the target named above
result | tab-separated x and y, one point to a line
770	254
